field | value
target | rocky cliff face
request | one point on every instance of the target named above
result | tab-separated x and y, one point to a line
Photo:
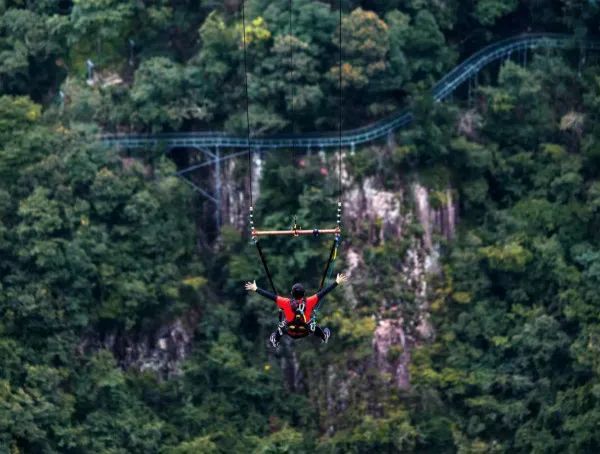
161	351
378	216
388	216
235	203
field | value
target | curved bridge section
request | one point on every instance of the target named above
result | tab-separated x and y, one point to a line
380	129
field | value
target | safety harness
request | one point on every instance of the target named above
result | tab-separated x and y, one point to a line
298	327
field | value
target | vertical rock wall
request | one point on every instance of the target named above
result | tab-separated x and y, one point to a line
387	215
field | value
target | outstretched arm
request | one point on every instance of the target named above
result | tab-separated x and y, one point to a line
312	301
340	279
252	287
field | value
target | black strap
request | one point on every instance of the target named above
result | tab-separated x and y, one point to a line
331	254
264	263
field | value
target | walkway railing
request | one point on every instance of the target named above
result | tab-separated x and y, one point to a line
377	130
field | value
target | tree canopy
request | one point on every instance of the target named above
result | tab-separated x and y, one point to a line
124	326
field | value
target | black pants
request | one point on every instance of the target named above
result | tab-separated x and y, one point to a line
280	332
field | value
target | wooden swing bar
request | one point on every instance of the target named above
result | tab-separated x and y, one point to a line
296	232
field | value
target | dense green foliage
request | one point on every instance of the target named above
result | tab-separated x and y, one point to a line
514	357
100	249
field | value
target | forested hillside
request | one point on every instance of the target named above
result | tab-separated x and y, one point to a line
470	322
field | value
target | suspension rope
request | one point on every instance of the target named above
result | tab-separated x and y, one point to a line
250	156
247	102
292	115
330	260
336	242
340	113
335	246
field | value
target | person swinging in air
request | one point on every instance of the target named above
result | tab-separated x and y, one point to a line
298	314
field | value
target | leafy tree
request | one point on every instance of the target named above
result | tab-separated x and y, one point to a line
532	97
489	11
215	73
159	95
99	27
365	46
31	48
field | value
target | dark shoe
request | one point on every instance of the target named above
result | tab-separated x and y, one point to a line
274	341
281	326
326	335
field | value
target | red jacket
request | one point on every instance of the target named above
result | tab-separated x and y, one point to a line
285	304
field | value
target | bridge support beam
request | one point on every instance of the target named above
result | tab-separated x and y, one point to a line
215	182
390	141
582	57
469	91
218	187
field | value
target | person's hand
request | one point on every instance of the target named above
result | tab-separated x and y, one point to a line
341	278
251	286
